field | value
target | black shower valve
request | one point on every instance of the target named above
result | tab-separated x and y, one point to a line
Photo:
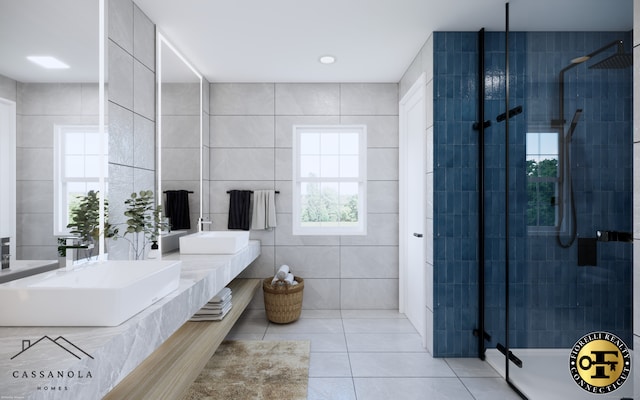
614	236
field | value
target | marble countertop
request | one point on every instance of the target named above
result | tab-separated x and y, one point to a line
87	362
22	268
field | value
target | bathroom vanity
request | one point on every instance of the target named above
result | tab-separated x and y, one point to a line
90	362
23	268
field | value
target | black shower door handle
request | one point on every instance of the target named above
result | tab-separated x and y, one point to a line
418	235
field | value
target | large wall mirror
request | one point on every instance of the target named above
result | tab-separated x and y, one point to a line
51	71
179	139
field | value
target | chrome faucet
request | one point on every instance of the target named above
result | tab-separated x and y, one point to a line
202	222
5	252
65	257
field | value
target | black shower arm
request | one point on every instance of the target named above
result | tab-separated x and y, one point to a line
574	63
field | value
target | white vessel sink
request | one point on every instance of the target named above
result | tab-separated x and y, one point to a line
214	242
97	294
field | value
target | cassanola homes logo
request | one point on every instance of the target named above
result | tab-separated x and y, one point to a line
600	362
48	349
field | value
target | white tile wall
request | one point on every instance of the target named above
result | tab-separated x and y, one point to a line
121	184
284	236
180	99
8	88
382	164
382	196
322	294
369	262
284	124
144	37
120	81
144	141
89	104
382	130
242	99
307	99
368	99
180	164
36	228
180	131
311	261
372	294
143	179
144	94
34	196
237	131
37	130
120	135
120	25
131	95
50	99
251	129
239	164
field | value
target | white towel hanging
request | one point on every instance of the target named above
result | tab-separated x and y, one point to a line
264	210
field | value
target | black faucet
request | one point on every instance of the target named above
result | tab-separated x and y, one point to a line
5	252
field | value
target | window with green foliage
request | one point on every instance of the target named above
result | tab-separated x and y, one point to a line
543	179
76	170
329	180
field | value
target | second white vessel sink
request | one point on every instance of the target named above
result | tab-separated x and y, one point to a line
214	242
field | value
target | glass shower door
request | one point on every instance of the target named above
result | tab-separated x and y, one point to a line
569	208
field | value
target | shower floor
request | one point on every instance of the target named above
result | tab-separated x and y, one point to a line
545	375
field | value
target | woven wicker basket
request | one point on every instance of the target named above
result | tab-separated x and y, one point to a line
283	303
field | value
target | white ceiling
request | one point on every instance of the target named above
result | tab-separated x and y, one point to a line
281	40
373	40
66	29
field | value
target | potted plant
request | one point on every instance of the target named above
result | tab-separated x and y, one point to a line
84	223
144	222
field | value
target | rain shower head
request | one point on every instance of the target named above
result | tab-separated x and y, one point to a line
616	61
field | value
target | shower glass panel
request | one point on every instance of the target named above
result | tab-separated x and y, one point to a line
566	241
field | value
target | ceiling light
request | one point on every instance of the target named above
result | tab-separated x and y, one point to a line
48	62
327	59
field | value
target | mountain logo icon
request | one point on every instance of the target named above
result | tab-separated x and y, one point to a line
60	342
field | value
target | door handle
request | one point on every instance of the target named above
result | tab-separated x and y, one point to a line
418	235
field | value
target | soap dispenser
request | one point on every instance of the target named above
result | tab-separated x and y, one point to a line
155	251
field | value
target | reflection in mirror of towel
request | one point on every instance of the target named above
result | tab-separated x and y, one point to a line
177	209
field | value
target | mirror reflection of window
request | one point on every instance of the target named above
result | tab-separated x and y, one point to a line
76	169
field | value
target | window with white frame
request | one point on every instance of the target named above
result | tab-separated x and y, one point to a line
329	180
76	169
543	180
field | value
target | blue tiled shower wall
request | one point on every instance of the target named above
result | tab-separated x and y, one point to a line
553	301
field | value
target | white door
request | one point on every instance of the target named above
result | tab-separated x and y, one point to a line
412	206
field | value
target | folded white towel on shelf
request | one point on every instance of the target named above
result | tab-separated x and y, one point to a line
223	310
212	317
222	295
217	305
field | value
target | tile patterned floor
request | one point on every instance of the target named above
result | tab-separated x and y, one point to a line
371	355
